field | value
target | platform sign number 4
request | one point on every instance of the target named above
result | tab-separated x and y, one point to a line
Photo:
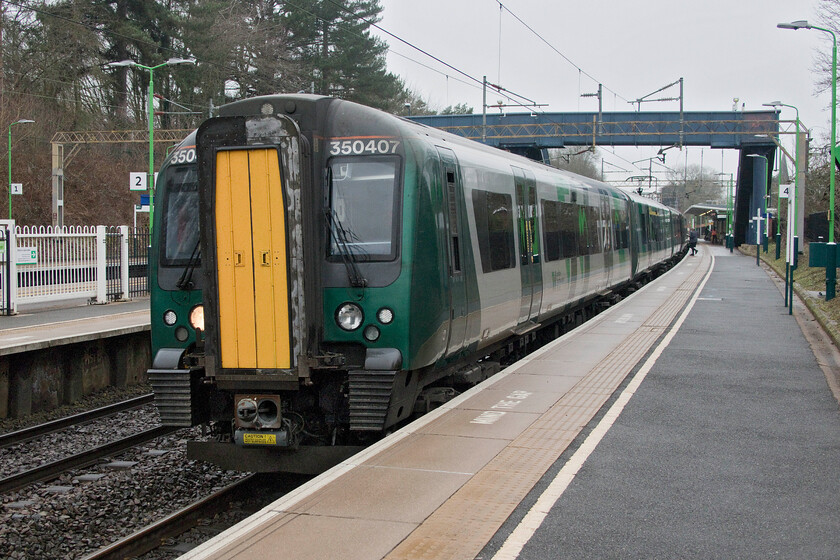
784	191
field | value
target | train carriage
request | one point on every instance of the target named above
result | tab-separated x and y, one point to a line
323	270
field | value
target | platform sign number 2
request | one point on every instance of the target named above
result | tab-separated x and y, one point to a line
137	181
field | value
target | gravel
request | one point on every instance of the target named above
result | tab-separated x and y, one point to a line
70	518
109	395
58	445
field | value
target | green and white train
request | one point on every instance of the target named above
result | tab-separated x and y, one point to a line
322	271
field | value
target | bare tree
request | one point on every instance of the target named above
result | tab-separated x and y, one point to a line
692	185
828	15
577	160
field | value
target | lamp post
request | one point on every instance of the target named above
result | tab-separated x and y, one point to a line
728	235
763	214
831	261
792	206
730	206
151	111
19	121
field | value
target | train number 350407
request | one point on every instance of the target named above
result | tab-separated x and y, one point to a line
363	146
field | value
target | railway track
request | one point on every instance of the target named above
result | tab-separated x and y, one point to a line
149	538
255	491
83	459
26	434
71	516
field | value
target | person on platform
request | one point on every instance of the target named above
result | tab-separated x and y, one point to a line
692	242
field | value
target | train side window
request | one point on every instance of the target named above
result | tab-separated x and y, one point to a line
551	229
583	231
494	226
624	219
453	221
616	229
569	224
592	218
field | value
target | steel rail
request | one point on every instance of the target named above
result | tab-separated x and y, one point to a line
83	459
19	436
150	538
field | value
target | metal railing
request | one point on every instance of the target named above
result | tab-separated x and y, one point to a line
55	264
5	271
45	264
139	241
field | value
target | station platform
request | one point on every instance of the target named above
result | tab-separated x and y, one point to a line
691	420
40	326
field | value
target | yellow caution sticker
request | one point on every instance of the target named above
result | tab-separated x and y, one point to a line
259	439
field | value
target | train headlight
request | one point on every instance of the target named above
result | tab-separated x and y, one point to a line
170	317
268	413
197	317
349	316
385	316
371	333
182	334
246	410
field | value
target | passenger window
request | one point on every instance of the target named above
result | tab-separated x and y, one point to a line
494	226
551	227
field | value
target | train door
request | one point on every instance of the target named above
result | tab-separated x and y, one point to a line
605	232
635	235
529	249
250	217
452	196
645	240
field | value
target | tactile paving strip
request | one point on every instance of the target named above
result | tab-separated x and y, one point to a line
468	520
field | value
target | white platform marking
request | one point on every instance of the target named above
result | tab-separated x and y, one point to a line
487	417
515	397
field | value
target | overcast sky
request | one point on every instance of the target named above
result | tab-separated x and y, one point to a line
722	48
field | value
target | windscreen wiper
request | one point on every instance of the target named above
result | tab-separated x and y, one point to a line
341	238
185	281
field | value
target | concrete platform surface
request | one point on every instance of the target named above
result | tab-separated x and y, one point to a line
36	327
690	421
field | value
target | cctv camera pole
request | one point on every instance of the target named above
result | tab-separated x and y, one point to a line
484	110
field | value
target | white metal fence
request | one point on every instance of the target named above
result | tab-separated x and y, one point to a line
43	264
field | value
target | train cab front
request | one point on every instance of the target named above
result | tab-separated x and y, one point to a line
300	256
175	285
250	177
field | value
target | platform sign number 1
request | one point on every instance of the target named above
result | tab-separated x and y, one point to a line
17	188
137	181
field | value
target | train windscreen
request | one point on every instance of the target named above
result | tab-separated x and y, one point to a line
180	214
363	197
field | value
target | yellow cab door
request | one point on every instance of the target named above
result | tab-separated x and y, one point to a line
252	265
